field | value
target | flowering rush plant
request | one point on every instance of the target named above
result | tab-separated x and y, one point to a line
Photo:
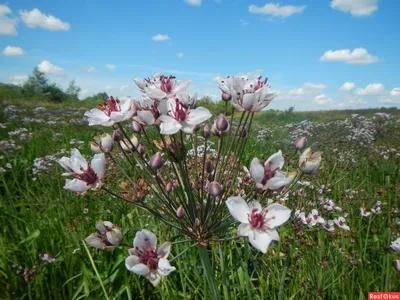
199	192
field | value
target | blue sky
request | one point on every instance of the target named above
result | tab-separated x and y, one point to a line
325	54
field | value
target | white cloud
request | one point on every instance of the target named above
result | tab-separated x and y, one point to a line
359	56
218	1
322	99
243	22
179	55
395	92
110	67
123	88
35	18
276	10
160	38
108	88
371	89
389	101
8	26
193	2
307	88
347	86
296	92
13	51
312	86
18	79
340	105
89	69
48	68
355	7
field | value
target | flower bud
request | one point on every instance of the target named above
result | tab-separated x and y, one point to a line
198	206
206	132
180	212
156	161
196	127
170	187
141	149
117	135
300	143
214	189
209	166
397	265
310	162
136	127
226	96
222	123
103	143
197	222
243	132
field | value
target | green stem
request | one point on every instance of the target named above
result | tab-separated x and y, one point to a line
208	272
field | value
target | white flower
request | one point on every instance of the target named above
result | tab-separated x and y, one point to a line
247	95
107	237
87	174
47	258
103	143
315	216
364	212
181	116
110	112
340	222
147	259
256	223
269	175
164	87
329	225
310	162
395	245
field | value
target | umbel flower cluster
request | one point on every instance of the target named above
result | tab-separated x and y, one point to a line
167	168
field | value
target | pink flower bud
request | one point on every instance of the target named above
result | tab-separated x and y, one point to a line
141	149
197	222
170	187
222	123
135	107
226	96
198	206
136	127
397	265
209	166
117	135
243	132
206	132
196	127
300	143
180	212
156	161
214	189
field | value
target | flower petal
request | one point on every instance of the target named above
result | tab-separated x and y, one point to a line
76	185
275	161
277	214
145	239
114	236
164	250
238	208
256	170
164	268
198	115
133	265
169	125
94	241
245	230
98	165
261	240
154	278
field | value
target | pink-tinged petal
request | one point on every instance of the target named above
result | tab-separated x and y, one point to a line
78	164
274	234
279	180
139	83
95	242
76	185
125	103
248	102
169	125
275	161
238	208
198	115
100	227
245	230
114	236
155	93
133	265
164	250
256	170
154	278
145	117
163	107
255	204
186	127
237	106
98	164
164	268
145	239
277	214
98	117
181	86
261	240
64	162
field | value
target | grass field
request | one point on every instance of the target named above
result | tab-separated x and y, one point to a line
361	169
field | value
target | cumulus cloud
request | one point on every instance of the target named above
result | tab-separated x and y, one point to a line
389	101
89	69
179	55
193	2
160	38
372	89
48	68
359	56
307	88
8	26
322	99
13	51
347	86
276	10
395	92
35	18
18	79
110	67
356	8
